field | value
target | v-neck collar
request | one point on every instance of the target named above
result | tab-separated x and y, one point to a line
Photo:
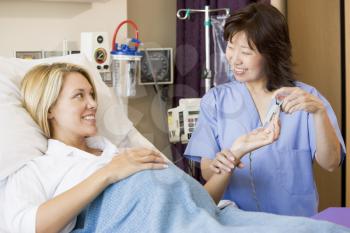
252	108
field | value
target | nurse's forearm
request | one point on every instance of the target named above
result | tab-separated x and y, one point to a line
217	185
56	213
205	170
327	143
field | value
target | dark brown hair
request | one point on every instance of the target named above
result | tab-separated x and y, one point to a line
267	29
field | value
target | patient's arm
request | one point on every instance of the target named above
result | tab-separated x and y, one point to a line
55	214
216	183
217	172
205	168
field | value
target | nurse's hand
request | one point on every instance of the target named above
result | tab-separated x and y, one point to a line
296	99
257	138
225	161
131	161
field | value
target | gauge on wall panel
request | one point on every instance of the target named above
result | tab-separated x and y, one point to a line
100	55
157	62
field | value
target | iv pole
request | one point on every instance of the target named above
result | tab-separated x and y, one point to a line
207	74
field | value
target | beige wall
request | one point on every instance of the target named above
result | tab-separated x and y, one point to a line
156	20
34	25
315	34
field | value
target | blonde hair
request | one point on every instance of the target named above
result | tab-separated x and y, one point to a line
41	86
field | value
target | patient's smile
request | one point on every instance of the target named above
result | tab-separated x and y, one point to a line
91	119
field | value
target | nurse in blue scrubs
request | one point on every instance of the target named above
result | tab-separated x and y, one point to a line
276	178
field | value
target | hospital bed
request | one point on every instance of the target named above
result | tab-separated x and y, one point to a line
21	139
17	128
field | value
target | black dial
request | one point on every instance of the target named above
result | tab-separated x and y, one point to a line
100	39
158	61
100	55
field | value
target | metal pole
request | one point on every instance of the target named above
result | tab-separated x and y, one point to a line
207	74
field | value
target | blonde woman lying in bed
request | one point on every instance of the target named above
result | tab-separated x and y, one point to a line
49	192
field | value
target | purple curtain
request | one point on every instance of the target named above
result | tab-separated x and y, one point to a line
190	60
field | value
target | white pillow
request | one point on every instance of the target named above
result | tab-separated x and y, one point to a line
20	137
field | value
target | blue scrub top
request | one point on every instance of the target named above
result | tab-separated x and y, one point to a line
282	171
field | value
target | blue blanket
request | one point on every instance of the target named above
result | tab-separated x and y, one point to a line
170	201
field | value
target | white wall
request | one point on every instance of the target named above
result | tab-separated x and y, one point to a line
34	25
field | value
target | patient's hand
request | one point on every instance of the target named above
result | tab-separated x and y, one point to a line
226	160
131	161
257	138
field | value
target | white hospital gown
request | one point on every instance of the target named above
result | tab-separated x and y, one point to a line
45	177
